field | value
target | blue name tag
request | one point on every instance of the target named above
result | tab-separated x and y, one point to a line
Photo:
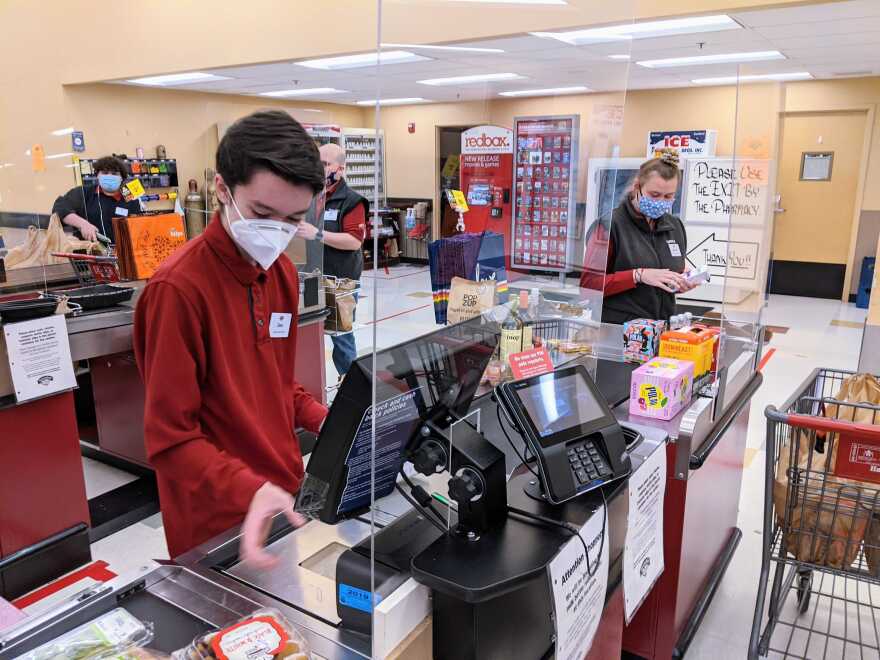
358	599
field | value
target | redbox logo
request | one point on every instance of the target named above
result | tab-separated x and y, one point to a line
497	141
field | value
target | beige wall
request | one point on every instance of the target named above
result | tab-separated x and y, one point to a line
410	164
117	118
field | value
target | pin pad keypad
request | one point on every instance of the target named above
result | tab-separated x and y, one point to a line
587	463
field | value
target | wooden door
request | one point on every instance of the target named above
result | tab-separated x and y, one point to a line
812	236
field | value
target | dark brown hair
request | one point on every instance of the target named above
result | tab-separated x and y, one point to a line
665	166
111	164
269	140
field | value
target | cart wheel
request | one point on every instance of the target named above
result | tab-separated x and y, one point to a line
804	591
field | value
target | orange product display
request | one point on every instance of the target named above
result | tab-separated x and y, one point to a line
143	242
695	344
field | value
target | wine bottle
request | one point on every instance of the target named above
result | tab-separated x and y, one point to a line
511	332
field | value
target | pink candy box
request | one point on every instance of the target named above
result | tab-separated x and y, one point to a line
661	388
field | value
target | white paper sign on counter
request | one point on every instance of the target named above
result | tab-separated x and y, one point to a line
39	357
643	551
579	594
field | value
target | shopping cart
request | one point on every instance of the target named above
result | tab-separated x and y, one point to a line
92	269
821	527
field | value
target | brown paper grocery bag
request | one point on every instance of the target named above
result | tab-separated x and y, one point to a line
468	299
339	293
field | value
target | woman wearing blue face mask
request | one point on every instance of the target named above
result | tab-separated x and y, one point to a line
90	209
637	256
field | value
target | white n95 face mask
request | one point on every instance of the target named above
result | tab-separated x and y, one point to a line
262	240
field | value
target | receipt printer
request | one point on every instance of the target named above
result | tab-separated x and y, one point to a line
395	545
569	427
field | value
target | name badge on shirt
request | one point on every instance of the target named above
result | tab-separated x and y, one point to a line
279	325
330	215
674	250
121	211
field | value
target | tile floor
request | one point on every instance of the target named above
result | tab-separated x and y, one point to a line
822	333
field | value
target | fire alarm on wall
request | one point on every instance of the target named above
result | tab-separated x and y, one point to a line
411	127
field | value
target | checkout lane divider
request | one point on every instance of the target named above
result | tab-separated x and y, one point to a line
764	360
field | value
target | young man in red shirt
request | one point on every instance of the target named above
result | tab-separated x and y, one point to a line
215	337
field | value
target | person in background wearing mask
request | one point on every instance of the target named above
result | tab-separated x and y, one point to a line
344	219
90	209
215	342
639	259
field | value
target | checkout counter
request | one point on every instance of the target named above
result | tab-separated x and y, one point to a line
493	600
45	519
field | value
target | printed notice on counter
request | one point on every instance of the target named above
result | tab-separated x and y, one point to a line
579	583
643	551
39	357
396	420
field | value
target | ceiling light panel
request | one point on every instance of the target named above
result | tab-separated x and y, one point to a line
651	29
721	58
399	101
458	49
549	91
471	80
766	77
364	59
313	91
177	79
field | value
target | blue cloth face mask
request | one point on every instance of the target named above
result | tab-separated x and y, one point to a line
654	208
109	182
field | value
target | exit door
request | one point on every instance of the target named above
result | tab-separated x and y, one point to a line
819	170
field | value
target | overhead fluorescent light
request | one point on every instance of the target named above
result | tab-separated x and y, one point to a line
362	60
462	49
619	57
178	79
470	80
310	91
401	101
690	25
516	2
732	80
64	131
64	155
723	58
549	91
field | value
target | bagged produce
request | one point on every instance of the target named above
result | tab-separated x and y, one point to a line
339	293
468	299
41	243
828	513
112	635
263	635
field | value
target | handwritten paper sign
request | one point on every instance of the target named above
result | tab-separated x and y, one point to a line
714	250
721	190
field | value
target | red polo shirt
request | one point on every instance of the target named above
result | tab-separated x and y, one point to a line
221	400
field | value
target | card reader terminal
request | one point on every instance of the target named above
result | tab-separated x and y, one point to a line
570	429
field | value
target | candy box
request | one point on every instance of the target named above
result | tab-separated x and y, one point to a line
661	388
641	339
695	343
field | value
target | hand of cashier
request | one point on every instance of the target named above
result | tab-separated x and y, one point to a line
268	501
666	279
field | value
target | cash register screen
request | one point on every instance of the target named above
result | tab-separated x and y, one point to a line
555	405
